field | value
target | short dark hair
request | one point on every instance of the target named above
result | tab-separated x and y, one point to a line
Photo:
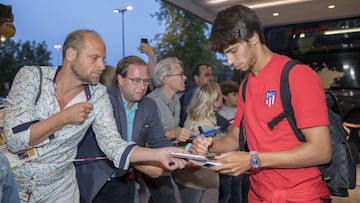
233	25
123	66
196	69
229	86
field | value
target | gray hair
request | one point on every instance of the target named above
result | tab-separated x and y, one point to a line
163	68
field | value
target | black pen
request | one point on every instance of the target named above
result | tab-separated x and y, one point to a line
201	130
209	154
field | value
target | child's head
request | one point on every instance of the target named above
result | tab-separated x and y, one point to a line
230	90
205	101
107	76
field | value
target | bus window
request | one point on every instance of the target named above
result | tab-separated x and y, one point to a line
332	49
327	46
316	37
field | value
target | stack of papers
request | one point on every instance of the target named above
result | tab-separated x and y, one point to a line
199	160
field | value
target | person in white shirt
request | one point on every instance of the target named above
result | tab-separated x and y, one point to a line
229	90
51	127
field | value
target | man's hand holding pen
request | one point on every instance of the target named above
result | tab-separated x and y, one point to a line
232	163
201	144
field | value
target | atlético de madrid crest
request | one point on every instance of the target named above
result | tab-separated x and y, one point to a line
270	96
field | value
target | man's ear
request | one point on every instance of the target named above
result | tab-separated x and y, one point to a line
196	78
254	39
70	54
165	79
225	97
120	79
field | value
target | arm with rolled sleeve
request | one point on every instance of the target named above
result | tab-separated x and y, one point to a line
107	135
19	111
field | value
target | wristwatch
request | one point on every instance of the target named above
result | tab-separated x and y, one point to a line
254	160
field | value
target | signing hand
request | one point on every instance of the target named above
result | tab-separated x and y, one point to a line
200	145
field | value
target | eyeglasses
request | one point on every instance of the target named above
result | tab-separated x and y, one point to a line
178	74
137	81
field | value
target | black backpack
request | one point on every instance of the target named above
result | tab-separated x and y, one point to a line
340	173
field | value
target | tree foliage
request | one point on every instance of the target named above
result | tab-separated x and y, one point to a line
14	55
185	37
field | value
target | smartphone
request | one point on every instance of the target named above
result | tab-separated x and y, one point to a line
144	40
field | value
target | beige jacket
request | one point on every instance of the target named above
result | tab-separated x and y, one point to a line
202	178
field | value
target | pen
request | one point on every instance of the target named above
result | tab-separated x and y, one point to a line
201	130
209	154
188	146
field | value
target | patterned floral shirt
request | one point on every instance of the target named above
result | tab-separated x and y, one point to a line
53	165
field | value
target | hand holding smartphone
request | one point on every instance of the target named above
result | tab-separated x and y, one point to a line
144	40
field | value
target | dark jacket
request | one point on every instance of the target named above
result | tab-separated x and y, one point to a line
185	100
147	128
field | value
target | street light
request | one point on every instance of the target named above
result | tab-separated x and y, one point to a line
122	11
58	48
2	38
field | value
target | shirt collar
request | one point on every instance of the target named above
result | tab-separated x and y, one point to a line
125	103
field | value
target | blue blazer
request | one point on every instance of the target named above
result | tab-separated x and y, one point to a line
147	128
185	100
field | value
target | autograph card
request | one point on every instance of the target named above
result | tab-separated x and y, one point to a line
197	159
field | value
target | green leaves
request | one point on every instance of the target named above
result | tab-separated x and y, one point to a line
185	37
14	55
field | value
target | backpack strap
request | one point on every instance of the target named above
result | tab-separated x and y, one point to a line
40	84
243	90
242	139
285	95
333	103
